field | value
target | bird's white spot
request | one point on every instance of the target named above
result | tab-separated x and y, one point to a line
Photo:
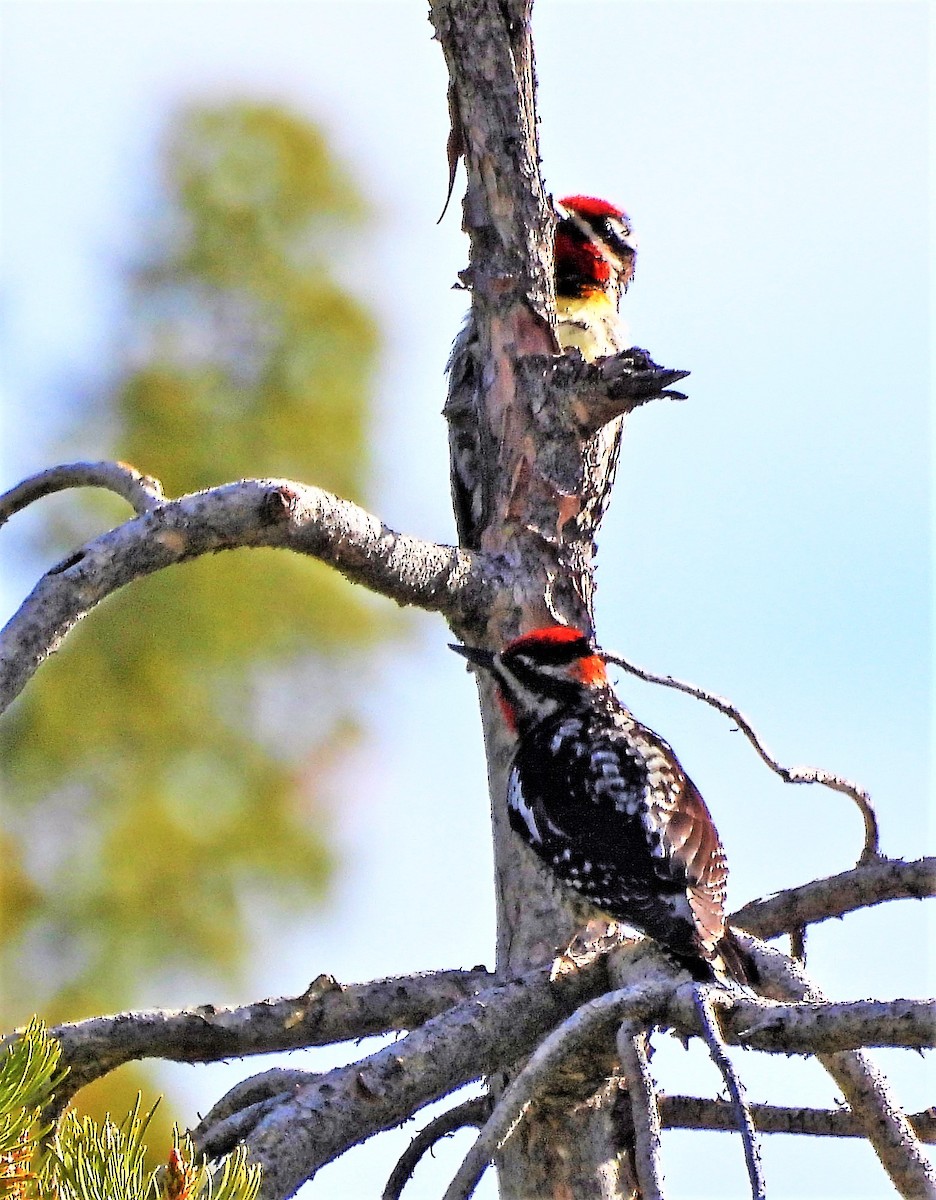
516	801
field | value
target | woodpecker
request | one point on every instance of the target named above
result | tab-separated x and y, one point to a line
595	253
605	804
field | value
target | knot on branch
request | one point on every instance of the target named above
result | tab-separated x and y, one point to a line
592	394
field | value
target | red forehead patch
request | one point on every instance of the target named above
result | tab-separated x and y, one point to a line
554	635
591	206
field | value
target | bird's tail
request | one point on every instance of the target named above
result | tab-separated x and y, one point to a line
738	964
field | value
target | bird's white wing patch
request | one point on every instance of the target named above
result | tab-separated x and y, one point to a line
516	802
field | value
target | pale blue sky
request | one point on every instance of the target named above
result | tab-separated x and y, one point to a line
768	539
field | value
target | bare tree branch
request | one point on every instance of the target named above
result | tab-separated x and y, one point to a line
888	879
698	1112
471	1113
253	512
865	1089
347	1105
330	1012
326	1013
589	1024
142	492
296	1122
635	1071
788	774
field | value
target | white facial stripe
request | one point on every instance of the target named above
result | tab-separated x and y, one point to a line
617	263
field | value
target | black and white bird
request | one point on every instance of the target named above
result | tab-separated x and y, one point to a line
605	804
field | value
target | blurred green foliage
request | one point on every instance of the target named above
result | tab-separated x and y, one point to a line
176	758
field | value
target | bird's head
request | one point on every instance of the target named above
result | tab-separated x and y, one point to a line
540	672
596	249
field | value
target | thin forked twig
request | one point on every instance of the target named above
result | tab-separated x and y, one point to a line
703	1002
828	779
140	491
645	1112
470	1114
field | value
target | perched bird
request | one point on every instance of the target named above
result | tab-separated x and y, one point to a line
604	803
595	253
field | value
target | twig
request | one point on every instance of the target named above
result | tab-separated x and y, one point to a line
788	774
252	512
699	1112
471	1113
645	1113
703	1000
142	492
889	879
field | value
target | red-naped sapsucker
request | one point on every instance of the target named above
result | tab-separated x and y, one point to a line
595	253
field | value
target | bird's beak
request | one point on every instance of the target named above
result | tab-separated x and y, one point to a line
475	655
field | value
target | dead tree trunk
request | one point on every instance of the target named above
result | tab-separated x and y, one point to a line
548	475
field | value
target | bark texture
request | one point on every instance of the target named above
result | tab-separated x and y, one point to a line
549	481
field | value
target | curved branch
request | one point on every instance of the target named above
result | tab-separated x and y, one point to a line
473	1038
788	774
590	1024
699	1112
888	879
472	1113
326	1013
645	1110
254	512
704	1003
142	492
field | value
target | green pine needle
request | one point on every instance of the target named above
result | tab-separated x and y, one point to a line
87	1161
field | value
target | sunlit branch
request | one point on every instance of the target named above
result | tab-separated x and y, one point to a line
142	492
888	879
326	1013
275	513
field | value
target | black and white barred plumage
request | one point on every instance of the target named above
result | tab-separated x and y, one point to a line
605	804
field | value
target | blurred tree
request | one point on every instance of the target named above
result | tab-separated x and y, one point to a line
137	835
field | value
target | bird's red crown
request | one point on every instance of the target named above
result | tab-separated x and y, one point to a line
584	664
595	249
591	206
